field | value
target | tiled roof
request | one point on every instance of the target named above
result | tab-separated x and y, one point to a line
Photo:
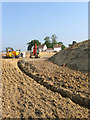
41	46
57	46
49	49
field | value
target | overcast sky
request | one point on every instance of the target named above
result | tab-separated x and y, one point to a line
23	22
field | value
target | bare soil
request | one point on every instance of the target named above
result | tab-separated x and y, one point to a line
75	57
75	81
24	97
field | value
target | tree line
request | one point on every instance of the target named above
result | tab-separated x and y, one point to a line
49	42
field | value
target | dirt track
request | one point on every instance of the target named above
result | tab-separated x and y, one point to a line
22	96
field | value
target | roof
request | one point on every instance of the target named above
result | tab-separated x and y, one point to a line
49	49
41	46
57	46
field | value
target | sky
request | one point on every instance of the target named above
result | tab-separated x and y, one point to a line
23	22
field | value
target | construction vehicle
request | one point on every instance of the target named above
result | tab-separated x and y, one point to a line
10	53
35	53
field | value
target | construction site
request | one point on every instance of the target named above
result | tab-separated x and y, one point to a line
45	85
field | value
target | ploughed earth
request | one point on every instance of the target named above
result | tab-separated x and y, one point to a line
41	89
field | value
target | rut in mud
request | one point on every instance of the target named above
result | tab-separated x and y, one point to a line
23	97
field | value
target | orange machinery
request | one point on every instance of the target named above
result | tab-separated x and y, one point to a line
35	52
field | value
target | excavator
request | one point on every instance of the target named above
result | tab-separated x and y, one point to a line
35	52
10	53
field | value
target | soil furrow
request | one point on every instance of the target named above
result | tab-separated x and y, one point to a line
75	97
25	98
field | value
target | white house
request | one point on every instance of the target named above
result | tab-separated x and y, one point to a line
24	53
49	50
42	48
57	47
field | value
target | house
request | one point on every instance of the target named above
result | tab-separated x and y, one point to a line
42	48
24	53
57	47
49	50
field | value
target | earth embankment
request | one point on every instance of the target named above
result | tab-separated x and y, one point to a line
74	57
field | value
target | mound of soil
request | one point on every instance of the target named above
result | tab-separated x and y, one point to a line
74	57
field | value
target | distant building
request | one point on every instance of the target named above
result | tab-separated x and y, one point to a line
49	50
24	53
57	47
42	48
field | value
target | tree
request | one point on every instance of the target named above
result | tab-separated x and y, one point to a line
60	43
54	37
69	45
32	43
74	42
47	42
63	46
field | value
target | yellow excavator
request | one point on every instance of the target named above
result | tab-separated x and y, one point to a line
10	53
